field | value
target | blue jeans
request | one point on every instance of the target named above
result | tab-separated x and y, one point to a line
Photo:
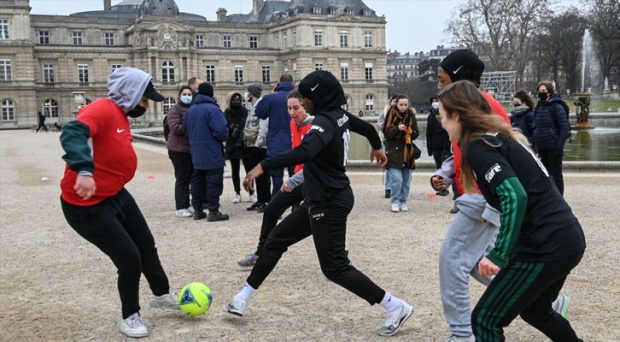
400	182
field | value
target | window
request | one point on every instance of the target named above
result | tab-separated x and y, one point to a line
48	73
8	110
4	29
116	66
44	37
316	10
199	41
368	72
227	41
167	104
368	39
266	73
210	77
344	39
318	38
253	42
238	74
5	70
370	102
344	72
331	11
77	38
50	108
348	10
109	38
318	66
83	73
367	12
167	72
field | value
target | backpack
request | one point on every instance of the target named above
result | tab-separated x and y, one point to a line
554	114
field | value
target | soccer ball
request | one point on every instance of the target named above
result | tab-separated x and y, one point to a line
195	299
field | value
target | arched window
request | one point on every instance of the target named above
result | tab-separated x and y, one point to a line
370	102
167	104
167	72
50	108
8	110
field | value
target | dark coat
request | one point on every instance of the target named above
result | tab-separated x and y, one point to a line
206	129
177	139
235	119
523	120
274	107
395	144
437	139
547	134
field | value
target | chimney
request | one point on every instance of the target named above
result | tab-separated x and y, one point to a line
257	6
107	4
221	14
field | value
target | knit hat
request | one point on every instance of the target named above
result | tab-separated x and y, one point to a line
323	89
255	89
463	65
205	89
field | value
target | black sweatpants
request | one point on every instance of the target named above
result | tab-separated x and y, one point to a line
327	223
552	160
116	226
278	205
263	183
526	289
235	167
209	182
182	163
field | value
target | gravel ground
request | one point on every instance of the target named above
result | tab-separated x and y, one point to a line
56	286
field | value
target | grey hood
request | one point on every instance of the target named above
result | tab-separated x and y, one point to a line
126	86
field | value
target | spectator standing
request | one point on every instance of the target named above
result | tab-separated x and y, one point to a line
437	140
380	123
41	119
236	116
551	131
274	107
522	114
255	141
206	129
179	152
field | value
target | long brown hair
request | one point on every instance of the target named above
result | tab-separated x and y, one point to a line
464	98
394	115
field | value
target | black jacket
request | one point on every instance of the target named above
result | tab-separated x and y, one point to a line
437	139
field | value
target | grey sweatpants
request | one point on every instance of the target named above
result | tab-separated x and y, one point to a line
470	237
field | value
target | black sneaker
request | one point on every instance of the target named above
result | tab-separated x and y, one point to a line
199	215
443	192
388	193
254	206
216	216
261	208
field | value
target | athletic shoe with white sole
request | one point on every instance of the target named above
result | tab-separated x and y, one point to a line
403	207
237	198
253	198
184	213
235	307
165	301
248	260
560	305
454	338
395	321
133	326
395	207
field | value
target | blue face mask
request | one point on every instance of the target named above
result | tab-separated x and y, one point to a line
187	99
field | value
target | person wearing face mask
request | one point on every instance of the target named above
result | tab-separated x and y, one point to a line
236	115
437	140
521	115
180	153
100	160
551	131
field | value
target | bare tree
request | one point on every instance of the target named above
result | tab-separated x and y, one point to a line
604	22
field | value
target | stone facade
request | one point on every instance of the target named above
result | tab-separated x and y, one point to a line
47	60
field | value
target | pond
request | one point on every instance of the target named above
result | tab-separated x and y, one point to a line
602	143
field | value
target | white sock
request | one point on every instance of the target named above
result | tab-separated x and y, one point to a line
390	303
246	293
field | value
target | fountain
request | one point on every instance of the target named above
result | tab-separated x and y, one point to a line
588	71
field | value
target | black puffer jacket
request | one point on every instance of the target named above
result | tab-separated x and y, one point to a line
235	117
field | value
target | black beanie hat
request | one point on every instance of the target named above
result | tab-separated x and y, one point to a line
255	89
323	88
463	65
205	89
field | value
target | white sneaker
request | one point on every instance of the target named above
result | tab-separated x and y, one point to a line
133	326
395	320
235	307
253	198
403	207
395	207
454	338
191	210
165	301
237	198
184	213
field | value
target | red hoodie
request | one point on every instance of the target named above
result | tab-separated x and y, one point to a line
297	133
496	108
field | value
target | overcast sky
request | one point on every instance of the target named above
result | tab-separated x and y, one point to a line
413	25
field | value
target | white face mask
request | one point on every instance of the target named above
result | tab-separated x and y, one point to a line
247	96
187	99
435	105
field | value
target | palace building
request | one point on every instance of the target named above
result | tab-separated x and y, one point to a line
55	64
